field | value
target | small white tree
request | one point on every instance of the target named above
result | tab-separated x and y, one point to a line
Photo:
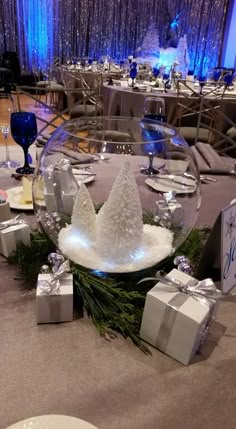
83	215
151	43
119	222
182	55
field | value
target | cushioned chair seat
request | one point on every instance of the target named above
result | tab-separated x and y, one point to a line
42	83
231	132
79	110
56	86
189	134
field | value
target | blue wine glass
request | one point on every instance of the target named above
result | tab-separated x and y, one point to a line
216	75
155	72
152	136
166	80
24	132
133	74
202	83
228	79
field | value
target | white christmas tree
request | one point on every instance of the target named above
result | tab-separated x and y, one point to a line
119	222
182	56
151	44
83	216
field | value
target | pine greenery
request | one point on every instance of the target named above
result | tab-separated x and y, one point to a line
113	302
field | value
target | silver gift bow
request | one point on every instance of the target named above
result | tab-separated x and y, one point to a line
204	290
18	220
52	285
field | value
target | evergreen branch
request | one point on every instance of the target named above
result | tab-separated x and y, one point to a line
113	302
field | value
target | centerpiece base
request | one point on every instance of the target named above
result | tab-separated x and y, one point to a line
157	245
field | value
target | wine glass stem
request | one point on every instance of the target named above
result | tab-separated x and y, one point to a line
151	157
7	149
26	157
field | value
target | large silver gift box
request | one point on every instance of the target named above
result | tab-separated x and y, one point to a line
13	235
175	322
58	305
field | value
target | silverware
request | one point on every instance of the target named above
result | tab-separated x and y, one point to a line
202	178
207	178
173	179
84	174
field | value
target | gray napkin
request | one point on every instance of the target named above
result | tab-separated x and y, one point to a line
208	160
74	157
41	141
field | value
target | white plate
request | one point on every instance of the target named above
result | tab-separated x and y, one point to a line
167	183
80	175
14	196
52	422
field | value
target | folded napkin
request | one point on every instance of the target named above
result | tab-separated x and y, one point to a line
74	157
42	141
208	160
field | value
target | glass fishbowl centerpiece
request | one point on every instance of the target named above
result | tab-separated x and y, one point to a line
116	194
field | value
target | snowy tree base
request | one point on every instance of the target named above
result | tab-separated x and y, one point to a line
157	245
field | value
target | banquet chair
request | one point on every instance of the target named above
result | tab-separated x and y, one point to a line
197	111
48	78
87	100
50	118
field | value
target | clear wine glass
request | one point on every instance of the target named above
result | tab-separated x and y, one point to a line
24	132
5	128
154	109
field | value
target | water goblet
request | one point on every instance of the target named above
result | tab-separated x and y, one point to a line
216	75
24	132
133	74
228	79
154	110
202	83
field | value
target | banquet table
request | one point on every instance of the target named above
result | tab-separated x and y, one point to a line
69	369
123	101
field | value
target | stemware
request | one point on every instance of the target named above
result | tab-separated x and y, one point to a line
8	163
153	110
133	74
216	75
5	128
202	83
228	79
155	72
166	80
24	132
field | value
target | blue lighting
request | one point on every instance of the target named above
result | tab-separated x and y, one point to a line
99	273
38	31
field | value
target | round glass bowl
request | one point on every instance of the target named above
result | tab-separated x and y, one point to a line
116	194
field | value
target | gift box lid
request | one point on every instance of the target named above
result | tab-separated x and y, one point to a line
193	307
13	228
66	285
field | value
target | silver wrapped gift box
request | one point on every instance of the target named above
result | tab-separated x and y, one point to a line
173	321
11	236
55	305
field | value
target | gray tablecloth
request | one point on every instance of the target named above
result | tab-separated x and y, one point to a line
126	102
69	369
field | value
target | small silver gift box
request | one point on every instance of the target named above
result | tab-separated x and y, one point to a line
175	322
60	188
56	306
13	235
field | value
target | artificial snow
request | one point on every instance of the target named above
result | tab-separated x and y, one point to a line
157	244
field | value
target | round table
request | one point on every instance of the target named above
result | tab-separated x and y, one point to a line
124	101
69	369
